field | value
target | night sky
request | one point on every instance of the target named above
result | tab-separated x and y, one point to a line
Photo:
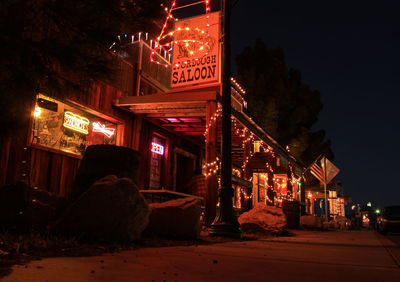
350	53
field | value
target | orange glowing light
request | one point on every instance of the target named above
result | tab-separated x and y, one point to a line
76	122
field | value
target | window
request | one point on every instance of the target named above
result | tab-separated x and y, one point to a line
280	184
66	128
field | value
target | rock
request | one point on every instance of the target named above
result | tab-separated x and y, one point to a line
343	222
102	160
311	222
262	218
44	209
112	209
330	225
177	219
24	209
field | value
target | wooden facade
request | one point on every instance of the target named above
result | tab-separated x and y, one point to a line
187	123
53	170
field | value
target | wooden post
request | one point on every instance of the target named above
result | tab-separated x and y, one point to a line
246	171
211	155
137	127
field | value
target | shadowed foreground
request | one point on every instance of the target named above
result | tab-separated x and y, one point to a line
307	256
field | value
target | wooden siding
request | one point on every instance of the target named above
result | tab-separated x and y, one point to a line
52	170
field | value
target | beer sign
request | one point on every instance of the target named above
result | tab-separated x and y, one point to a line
76	122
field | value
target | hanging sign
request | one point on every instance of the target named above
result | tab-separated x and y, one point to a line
157	148
76	122
101	128
196	57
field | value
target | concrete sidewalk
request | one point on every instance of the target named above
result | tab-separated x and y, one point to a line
307	256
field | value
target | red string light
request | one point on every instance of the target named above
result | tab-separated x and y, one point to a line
193	46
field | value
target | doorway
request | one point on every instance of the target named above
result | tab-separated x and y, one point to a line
184	170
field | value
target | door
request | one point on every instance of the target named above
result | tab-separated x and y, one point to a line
185	166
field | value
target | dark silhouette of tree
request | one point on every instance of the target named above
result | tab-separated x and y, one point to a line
51	46
280	102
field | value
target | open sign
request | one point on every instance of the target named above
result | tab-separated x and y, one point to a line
157	148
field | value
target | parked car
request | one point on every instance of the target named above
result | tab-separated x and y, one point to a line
389	220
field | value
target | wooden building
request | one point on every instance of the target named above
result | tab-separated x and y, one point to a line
177	132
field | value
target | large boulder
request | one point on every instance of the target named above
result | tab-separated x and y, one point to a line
44	209
112	209
24	209
262	219
310	222
102	160
176	219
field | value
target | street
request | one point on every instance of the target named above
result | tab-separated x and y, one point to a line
306	256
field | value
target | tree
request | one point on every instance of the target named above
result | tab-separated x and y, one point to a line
53	45
280	102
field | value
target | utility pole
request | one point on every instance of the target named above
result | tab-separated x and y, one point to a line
225	223
326	198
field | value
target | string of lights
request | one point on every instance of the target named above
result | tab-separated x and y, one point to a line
183	37
279	183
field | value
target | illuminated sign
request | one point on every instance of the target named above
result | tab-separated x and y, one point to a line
190	67
76	122
101	128
157	148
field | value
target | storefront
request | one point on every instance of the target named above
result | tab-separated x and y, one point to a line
316	203
177	131
67	128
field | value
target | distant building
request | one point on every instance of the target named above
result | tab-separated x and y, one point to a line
315	199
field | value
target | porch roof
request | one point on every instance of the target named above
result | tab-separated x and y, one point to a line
183	111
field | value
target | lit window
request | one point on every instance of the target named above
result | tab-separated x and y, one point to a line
59	126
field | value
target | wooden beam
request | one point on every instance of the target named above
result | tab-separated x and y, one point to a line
193	133
211	155
167	98
171	114
167	106
173	124
180	129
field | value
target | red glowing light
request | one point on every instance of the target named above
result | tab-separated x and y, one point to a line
157	148
107	131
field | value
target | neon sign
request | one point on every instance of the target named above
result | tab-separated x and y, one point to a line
157	148
101	128
76	122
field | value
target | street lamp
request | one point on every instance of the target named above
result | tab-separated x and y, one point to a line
225	223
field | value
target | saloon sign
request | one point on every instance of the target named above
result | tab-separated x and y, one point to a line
196	54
